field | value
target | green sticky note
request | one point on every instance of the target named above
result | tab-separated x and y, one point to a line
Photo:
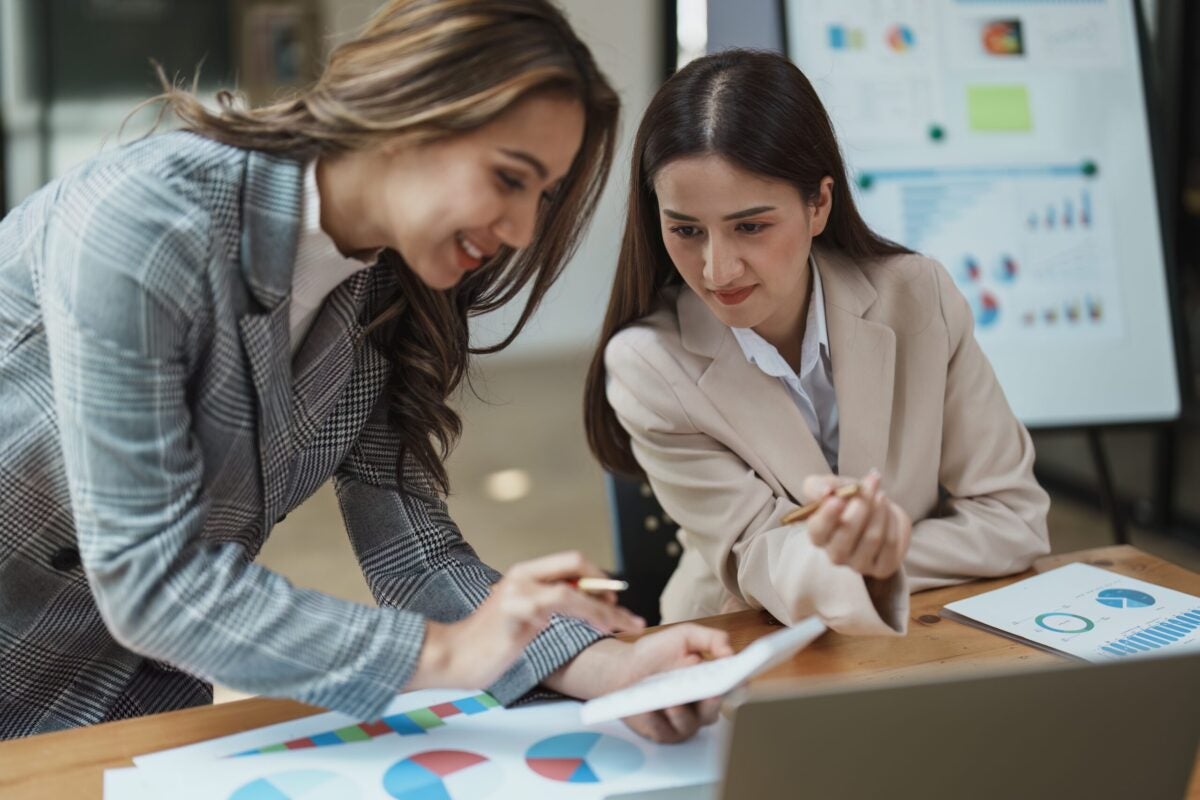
999	108
425	718
487	700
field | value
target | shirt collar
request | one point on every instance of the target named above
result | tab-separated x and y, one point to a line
813	349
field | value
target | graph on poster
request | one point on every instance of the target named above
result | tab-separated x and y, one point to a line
1046	269
1009	141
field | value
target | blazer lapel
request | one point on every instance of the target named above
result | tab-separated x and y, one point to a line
863	354
757	406
271	210
326	360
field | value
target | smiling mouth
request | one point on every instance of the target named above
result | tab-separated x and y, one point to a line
733	297
470	256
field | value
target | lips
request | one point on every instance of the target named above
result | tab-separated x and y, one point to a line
733	297
470	255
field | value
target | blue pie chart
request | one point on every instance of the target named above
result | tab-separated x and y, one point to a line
1125	598
299	784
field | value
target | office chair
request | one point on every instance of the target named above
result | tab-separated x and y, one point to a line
644	543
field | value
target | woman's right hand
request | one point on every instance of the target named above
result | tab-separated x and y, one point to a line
867	532
476	651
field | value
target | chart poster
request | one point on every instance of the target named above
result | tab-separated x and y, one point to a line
1008	140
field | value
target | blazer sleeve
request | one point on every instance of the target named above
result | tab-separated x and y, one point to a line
994	516
120	285
415	558
730	515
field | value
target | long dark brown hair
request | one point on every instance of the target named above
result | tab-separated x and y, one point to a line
427	70
757	110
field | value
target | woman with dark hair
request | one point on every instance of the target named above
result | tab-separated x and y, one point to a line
763	346
199	329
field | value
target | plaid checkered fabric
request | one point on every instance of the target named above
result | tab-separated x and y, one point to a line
154	427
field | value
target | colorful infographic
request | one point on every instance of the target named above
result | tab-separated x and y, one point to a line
1089	613
1052	271
443	775
472	751
407	723
1009	140
584	757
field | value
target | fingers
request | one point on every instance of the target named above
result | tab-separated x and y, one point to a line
537	601
875	538
825	521
703	640
708	710
818	486
557	567
853	521
683	719
891	556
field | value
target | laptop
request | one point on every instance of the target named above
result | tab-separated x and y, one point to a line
1121	729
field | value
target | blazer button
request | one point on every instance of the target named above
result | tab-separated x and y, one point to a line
65	559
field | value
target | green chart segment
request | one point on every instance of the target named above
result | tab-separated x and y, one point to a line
406	723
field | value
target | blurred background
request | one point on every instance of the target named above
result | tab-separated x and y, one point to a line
524	483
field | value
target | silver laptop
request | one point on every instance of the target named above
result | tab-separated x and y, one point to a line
1127	729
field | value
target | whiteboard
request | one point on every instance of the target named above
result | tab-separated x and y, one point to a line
1009	141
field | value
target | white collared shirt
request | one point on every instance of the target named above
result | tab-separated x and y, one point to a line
812	387
319	267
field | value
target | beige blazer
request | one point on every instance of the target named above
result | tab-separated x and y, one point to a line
727	451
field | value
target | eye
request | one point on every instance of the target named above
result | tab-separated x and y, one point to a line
751	227
684	231
511	182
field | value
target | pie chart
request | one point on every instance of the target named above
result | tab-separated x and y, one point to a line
1125	598
442	775
584	757
298	784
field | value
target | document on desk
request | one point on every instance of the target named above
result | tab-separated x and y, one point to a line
702	681
429	744
1087	613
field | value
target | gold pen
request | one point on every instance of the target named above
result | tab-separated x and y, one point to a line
805	511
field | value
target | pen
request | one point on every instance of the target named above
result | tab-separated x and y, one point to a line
600	585
805	511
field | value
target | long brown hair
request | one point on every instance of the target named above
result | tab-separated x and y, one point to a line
757	110
427	70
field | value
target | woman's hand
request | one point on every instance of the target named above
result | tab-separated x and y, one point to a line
479	649
610	664
867	532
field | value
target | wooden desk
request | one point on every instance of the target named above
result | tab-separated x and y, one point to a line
71	763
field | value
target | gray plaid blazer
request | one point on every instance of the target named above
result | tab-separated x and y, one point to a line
153	428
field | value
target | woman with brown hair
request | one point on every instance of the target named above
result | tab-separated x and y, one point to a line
199	329
763	346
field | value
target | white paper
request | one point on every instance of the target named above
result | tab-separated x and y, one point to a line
702	681
1089	613
125	783
508	753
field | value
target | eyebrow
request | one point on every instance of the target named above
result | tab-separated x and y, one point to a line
749	212
521	155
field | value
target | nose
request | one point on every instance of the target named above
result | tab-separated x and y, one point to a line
516	226
722	266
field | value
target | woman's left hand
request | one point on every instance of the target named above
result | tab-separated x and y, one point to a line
610	664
